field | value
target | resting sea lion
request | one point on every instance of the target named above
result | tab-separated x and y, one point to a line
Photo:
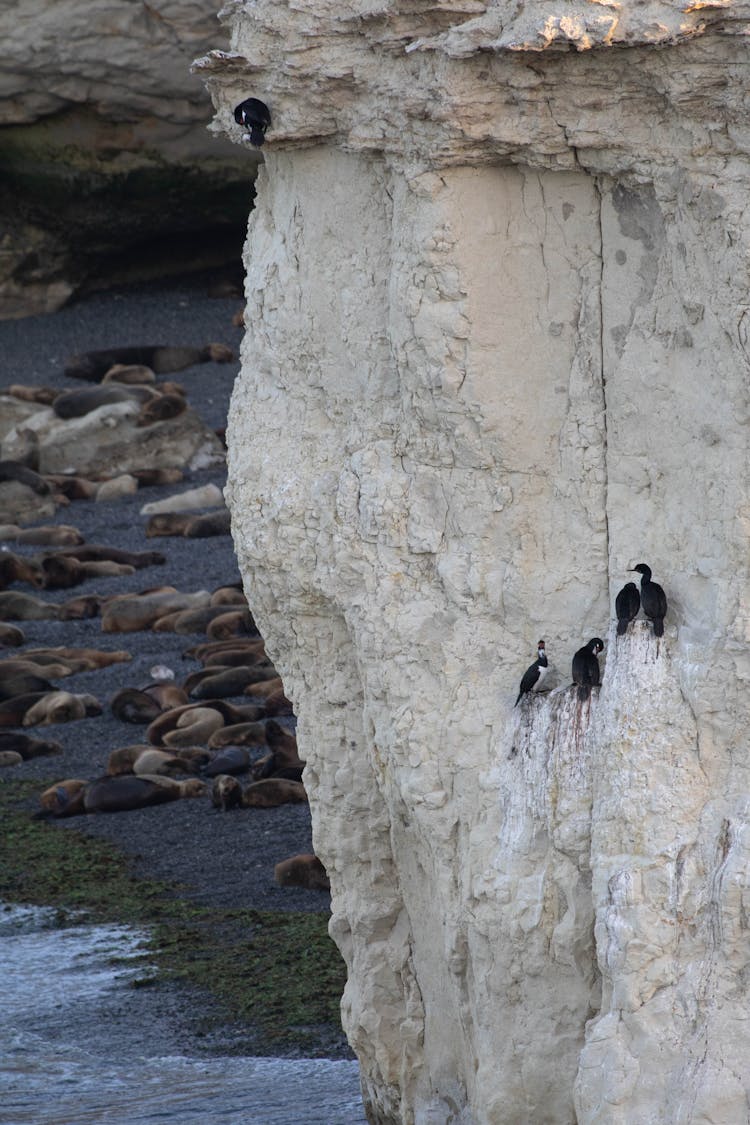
232	594
61	707
152	761
133	706
239	734
129	373
237	623
27	747
146	477
160	409
121	760
223	683
15	471
164	524
121	794
129	614
54	535
10	758
187	621
71	487
194	727
92	366
208	525
302	871
82	659
264	688
16	606
49	669
76	404
230	760
80	609
22	684
283	744
272	792
45	396
216	648
167	695
206	496
116	488
247	656
11	636
65	798
226	793
93	552
16	568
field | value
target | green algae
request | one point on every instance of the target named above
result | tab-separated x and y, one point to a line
277	978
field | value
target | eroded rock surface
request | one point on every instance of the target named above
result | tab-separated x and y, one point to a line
496	355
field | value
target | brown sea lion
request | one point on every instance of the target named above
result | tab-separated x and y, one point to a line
283	744
165	524
22	474
302	871
115	488
65	798
226	793
208	525
92	366
21	684
247	656
160	409
133	706
11	636
53	535
194	727
230	759
94	552
83	659
215	648
236	623
264	688
167	695
231	594
129	373
26	746
239	734
223	683
17	568
49	669
80	609
10	758
228	713
45	396
121	759
61	573
76	404
17	606
71	487
149	477
154	761
61	707
273	791
127	792
130	614
187	621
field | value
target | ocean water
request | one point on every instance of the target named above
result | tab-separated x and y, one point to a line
63	1059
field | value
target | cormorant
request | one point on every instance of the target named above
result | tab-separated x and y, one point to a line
534	676
586	667
653	599
255	116
627	604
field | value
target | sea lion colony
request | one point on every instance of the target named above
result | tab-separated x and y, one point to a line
224	732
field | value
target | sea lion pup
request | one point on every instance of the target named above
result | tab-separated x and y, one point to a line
208	525
133	706
160	409
45	396
95	552
64	798
127	792
230	760
10	758
272	792
93	366
52	535
238	734
222	683
236	623
226	793
129	373
61	707
11	636
27	747
187	621
16	606
164	524
16	568
302	871
81	659
132	613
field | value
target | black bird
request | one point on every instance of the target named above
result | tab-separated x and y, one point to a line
586	667
653	599
254	115
627	604
534	676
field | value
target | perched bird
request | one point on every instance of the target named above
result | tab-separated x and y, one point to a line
653	599
535	674
254	115
627	604
586	667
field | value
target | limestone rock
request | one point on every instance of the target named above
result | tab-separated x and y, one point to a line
497	351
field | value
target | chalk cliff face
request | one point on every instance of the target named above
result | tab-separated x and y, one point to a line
497	353
104	153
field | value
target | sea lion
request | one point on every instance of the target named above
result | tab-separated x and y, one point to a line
149	477
129	373
167	695
194	727
127	792
230	760
53	535
17	606
80	609
208	525
10	758
154	761
133	706
94	552
65	798
116	488
22	683
11	636
83	659
187	621
302	871
165	524
133	613
26	746
226	793
206	496
61	573
71	487
264	688
20	666
13	711
44	396
16	472
121	760
239	734
283	744
247	656
76	404
92	366
223	683
160	409
231	594
272	792
215	649
236	623
17	568
61	707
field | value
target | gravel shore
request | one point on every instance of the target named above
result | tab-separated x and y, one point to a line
220	859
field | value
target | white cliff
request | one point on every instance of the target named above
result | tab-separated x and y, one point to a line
496	355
